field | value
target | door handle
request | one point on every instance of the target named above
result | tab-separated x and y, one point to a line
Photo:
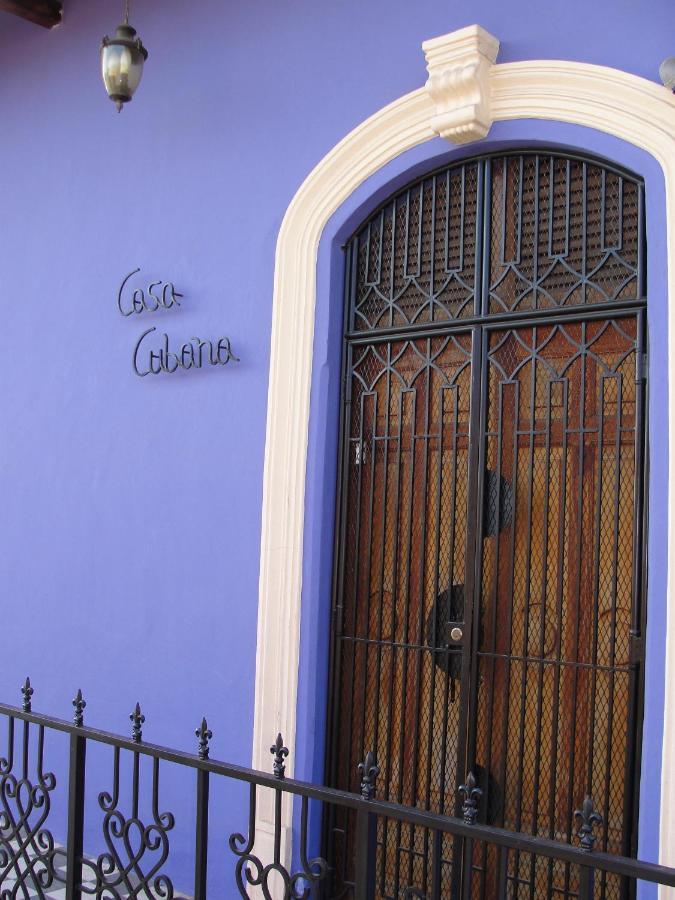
456	634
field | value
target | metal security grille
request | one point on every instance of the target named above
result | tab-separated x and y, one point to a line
488	594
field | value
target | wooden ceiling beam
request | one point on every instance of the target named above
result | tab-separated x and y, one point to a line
47	13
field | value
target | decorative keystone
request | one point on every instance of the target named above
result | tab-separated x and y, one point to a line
27	692
204	734
459	83
369	770
471	795
280	753
589	818
137	719
79	703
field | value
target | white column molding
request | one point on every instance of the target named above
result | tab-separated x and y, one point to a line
372	145
459	84
624	105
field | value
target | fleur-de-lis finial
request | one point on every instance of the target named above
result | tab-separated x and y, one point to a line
589	817
204	734
369	770
79	703
280	753
471	795
137	719
27	692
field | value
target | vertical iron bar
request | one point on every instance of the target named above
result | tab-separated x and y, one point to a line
476	464
366	854
502	872
462	204
24	752
432	251
496	437
542	616
551	204
619	243
505	181
642	247
379	251
335	670
618	425
381	578
394	649
201	835
76	791
418	634
437	865
467	869
521	178
448	192
529	435
466	724
370	515
511	553
355	585
434	621
603	209
406	240
420	222
568	209
578	551
478	439
560	579
597	552
406	623
452	524
535	234
639	590
586	883
277	826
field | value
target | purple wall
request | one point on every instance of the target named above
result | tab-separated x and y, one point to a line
130	546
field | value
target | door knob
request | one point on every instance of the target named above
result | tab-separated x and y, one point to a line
456	634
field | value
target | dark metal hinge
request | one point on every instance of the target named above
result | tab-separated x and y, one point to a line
637	648
337	619
641	367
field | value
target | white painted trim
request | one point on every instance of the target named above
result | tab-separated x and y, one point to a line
624	105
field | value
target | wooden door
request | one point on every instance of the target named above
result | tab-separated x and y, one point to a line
487	607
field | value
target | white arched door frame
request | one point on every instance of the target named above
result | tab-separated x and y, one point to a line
465	93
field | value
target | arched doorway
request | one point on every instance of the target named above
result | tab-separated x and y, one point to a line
488	612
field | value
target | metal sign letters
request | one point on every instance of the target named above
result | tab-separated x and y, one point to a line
152	353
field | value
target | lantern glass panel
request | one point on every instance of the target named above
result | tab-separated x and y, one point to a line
122	68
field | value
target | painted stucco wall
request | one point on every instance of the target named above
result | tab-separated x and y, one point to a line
131	507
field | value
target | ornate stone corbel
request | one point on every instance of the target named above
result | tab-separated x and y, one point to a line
459	82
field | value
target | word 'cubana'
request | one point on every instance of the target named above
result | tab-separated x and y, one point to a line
192	355
150	302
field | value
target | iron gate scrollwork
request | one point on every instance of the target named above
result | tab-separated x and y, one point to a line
490	541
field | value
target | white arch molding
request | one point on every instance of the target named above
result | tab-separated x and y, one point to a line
466	92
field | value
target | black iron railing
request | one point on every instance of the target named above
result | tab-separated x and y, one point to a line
34	864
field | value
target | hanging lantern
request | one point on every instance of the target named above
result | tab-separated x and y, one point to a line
122	58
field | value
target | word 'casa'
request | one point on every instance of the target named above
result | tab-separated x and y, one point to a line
160	294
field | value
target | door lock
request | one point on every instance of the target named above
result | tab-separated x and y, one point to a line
456	634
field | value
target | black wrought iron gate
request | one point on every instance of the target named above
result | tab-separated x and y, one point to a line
488	611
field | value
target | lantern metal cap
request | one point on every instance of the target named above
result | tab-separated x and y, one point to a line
667	72
125	36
